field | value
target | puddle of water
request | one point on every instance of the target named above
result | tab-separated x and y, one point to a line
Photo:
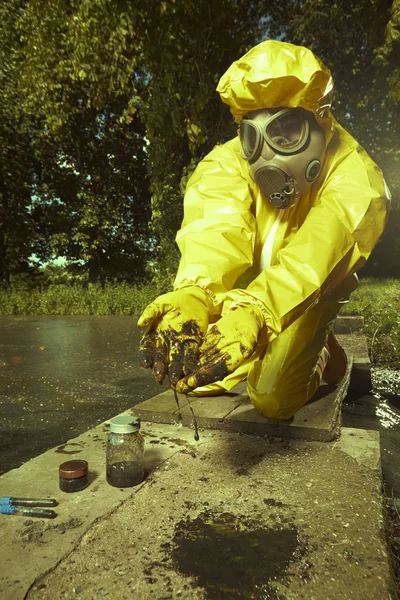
388	416
230	562
381	411
60	376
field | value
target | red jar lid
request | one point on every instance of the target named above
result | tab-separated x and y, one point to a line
72	469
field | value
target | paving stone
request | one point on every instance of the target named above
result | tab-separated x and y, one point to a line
319	419
348	324
356	345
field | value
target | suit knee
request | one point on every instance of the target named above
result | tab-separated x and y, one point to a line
272	405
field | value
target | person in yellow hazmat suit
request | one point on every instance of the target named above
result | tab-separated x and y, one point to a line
276	223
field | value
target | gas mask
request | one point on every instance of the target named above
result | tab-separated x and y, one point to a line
284	148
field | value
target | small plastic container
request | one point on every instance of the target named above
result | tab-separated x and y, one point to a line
73	476
125	450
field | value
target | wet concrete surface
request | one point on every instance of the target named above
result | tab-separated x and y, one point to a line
380	411
60	376
319	499
231	516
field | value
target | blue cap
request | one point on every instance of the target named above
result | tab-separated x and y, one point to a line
7	509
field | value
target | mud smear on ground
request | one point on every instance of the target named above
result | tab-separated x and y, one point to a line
70	448
34	530
282	532
231	558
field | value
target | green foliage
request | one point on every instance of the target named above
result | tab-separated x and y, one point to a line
16	157
193	45
75	299
389	53
86	51
378	301
107	107
83	59
92	200
94	194
360	42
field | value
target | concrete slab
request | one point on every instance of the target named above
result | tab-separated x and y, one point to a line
210	411
319	419
356	345
230	516
36	545
348	324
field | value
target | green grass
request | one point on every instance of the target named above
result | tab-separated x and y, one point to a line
64	299
378	301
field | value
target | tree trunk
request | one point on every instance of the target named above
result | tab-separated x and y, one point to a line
4	268
4	272
95	270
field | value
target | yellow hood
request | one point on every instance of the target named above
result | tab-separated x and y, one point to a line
278	74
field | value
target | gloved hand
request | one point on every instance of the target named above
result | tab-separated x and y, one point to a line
177	322
226	346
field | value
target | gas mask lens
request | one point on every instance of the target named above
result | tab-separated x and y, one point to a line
249	139
286	132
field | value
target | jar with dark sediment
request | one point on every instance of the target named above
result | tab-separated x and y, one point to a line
125	451
73	476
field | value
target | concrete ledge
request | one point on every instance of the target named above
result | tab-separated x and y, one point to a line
356	345
348	324
35	546
319	419
317	505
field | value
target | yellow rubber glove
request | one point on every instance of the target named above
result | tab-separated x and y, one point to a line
227	345
176	323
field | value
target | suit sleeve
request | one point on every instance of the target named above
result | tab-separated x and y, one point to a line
218	230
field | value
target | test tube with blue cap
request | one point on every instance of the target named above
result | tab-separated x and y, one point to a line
32	507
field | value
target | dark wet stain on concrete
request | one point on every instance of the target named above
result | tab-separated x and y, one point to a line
232	562
273	502
177	441
69	448
71	523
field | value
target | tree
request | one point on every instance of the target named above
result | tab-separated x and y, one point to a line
16	158
190	45
388	55
360	41
162	59
92	197
141	75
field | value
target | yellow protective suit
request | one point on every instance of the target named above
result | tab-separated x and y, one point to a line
296	264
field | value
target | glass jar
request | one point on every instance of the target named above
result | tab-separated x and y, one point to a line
73	476
125	450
